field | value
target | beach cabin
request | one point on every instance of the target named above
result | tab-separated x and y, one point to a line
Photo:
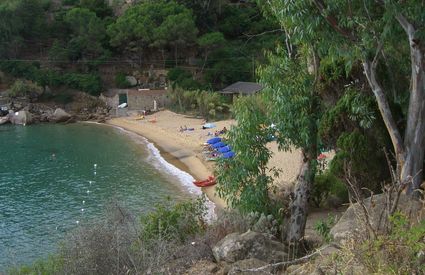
241	89
135	99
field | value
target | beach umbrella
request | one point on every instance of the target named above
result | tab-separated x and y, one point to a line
229	155
214	140
224	149
218	145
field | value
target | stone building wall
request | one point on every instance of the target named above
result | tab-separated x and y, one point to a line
144	99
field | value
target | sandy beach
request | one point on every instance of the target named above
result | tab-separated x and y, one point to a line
184	149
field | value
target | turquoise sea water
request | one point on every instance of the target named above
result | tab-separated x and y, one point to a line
56	177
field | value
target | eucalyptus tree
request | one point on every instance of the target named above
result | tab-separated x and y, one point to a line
292	97
365	32
245	181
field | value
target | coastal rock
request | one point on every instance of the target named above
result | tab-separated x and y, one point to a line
235	247
21	118
132	80
4	120
352	222
188	255
202	267
60	115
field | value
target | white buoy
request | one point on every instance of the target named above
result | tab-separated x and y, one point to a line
95	166
84	202
88	191
95	172
77	222
82	209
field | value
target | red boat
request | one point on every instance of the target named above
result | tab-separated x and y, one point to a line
204	183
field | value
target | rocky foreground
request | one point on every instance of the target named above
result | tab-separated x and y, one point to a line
253	252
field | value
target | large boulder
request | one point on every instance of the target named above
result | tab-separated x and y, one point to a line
60	115
132	80
20	118
4	120
235	247
352	221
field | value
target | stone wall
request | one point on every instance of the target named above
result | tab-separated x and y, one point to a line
144	99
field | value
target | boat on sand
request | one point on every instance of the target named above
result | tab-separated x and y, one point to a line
204	183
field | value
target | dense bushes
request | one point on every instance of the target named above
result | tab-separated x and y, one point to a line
401	251
207	104
326	185
174	223
25	88
90	82
121	81
183	79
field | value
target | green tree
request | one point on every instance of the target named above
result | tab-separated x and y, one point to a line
208	42
20	20
177	30
366	32
292	93
88	33
100	7
152	24
244	181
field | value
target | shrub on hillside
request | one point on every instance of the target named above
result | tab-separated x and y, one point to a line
183	79
325	185
89	83
401	251
174	222
25	88
121	81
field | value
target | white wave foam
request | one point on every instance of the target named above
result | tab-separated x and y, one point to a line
160	163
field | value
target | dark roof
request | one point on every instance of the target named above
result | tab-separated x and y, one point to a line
240	87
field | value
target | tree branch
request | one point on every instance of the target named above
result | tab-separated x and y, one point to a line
250	36
333	22
384	108
287	263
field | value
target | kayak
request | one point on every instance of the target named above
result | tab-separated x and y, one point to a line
204	183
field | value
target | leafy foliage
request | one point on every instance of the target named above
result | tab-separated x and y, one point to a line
207	104
153	24
175	223
291	101
245	181
398	251
88	34
327	184
25	88
323	227
121	81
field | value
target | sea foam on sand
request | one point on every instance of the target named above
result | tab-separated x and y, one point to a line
184	178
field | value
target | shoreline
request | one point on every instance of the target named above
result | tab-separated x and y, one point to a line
173	150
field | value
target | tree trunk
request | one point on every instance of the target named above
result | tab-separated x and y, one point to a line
299	205
384	108
414	139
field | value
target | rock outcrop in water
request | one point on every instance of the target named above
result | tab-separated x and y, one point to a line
20	118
